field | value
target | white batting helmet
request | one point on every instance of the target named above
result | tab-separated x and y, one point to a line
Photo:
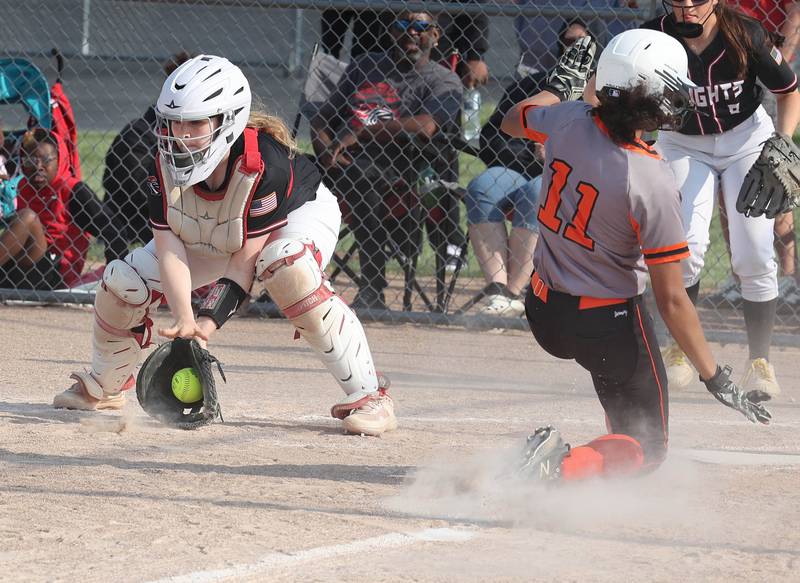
647	56
202	88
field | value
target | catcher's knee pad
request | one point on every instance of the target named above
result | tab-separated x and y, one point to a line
124	297
292	276
121	327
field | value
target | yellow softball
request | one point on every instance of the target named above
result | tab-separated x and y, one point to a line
186	386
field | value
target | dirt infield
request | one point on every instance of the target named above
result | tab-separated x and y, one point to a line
277	493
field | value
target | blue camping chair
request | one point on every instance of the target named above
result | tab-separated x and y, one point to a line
22	82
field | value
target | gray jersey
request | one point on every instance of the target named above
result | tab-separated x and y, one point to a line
605	210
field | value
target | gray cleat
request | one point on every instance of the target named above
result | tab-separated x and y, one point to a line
544	451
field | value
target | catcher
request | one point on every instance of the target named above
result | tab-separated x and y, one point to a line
611	213
231	201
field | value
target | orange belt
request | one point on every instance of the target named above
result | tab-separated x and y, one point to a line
540	290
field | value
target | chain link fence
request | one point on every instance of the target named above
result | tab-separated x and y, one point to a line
440	218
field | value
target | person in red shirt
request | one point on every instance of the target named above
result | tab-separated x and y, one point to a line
46	243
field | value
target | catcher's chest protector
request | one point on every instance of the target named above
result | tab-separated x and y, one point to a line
213	225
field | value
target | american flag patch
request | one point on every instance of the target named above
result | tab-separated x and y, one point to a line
775	53
265	205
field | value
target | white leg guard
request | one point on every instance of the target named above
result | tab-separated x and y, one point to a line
122	326
291	273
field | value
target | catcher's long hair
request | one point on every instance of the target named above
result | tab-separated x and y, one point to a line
273	125
632	110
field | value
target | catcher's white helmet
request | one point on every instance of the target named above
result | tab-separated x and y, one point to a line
650	56
202	88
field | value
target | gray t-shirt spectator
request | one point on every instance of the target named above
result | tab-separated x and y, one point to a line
372	90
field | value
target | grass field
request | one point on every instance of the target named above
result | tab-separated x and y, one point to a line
93	147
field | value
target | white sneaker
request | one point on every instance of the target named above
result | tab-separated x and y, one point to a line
76	397
760	376
502	306
374	417
680	372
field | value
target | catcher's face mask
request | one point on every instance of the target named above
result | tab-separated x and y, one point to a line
186	144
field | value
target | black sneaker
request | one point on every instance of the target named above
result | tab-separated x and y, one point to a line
543	453
369	299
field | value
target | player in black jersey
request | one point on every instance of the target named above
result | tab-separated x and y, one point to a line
231	201
713	150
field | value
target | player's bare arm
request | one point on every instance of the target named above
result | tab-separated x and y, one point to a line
177	282
512	122
788	113
680	316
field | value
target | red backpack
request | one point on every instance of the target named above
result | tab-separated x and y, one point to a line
64	125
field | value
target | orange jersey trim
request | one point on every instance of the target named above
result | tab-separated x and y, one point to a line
666	254
667	249
530	133
635	227
540	290
638	147
668	259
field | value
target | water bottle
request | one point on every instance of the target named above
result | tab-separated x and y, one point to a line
471	122
429	188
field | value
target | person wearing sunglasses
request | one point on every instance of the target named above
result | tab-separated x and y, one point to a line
367	136
47	241
713	151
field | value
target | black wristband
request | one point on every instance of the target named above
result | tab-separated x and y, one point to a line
222	301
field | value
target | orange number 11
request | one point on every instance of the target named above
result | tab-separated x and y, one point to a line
575	230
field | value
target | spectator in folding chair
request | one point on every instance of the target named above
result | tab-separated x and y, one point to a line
368	134
46	242
129	158
509	189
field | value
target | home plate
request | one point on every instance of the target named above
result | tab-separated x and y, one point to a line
739	458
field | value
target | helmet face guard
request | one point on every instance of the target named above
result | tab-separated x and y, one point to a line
206	90
179	153
675	101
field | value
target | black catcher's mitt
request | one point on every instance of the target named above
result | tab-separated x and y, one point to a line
772	186
568	78
154	384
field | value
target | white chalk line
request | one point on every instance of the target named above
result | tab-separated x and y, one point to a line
533	423
739	458
279	560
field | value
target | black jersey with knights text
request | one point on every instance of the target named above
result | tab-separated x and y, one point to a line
287	184
723	99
